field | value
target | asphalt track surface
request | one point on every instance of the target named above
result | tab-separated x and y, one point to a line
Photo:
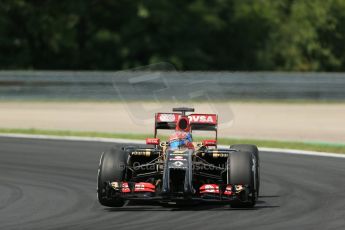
49	184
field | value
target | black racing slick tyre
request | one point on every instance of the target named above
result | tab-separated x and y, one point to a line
240	172
249	148
254	150
111	168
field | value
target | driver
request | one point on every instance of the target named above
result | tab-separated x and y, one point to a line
182	136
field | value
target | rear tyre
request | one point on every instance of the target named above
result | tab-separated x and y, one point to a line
111	168
240	171
254	150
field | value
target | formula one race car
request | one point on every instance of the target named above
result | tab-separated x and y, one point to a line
180	171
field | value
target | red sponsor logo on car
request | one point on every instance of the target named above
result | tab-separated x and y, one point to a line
202	119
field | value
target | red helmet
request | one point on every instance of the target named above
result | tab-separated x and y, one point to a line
183	124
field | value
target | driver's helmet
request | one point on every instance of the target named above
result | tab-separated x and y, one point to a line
182	136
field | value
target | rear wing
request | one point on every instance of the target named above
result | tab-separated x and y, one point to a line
197	121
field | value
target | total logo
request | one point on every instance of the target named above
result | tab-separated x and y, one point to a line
178	163
167	117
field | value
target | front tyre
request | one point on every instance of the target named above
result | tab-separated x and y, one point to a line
254	150
241	172
111	168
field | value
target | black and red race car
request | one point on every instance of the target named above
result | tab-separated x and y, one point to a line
197	172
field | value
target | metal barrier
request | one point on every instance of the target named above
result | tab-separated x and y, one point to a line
165	85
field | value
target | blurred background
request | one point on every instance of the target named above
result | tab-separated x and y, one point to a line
274	67
289	35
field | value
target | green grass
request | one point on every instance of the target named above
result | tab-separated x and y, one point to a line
313	146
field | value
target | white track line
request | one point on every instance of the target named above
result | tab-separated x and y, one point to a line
118	140
72	138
